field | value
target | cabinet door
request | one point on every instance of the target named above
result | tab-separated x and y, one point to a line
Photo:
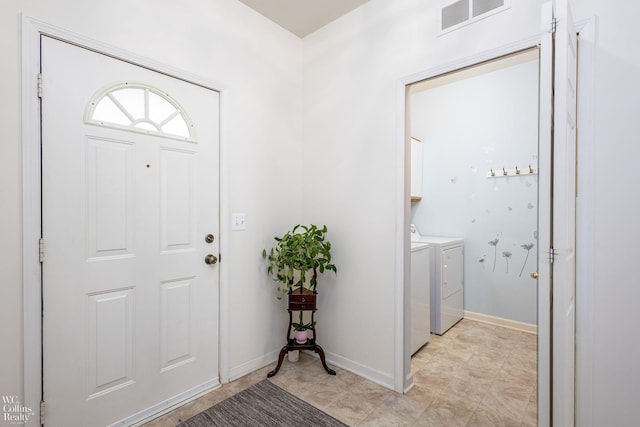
416	169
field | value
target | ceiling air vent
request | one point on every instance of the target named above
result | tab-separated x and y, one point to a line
455	14
464	12
480	7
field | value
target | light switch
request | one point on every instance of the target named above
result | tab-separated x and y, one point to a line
238	221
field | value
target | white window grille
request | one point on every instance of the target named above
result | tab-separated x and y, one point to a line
139	108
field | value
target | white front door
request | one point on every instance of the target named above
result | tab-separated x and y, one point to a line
129	193
558	156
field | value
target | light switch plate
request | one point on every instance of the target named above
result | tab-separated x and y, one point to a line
238	221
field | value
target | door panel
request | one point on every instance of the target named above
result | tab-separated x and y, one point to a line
558	76
110	204
130	308
177	200
544	216
111	341
564	202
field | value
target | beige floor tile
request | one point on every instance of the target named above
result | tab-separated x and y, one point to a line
507	399
475	374
401	405
387	419
530	418
422	394
485	417
447	410
321	395
469	389
350	410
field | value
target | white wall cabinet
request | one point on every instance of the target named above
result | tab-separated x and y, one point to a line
416	169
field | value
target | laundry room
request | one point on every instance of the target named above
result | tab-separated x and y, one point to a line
474	188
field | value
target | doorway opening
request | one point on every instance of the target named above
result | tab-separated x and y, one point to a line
474	166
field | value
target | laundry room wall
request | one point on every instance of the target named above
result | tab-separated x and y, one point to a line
469	127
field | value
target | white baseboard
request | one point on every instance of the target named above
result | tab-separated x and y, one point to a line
253	365
499	321
331	358
409	382
168	404
363	371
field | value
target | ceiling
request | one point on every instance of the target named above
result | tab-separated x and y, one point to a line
303	17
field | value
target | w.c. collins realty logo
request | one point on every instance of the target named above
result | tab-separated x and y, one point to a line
14	412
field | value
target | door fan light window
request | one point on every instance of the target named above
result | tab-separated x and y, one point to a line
140	108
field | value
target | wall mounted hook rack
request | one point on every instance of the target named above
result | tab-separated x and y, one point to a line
502	172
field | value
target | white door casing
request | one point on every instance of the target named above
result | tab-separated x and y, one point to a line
130	309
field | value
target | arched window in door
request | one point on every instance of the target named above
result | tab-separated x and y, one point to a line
139	108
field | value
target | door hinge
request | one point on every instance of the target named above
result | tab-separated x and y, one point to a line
42	409
39	85
554	25
41	249
552	255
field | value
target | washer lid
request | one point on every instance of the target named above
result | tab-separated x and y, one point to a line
439	240
416	246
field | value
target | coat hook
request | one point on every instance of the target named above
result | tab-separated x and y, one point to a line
517	170
504	172
493	173
530	169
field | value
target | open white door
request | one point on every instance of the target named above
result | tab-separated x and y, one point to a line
557	265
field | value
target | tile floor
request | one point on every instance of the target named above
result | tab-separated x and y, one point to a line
474	375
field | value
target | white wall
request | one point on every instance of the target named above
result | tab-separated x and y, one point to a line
613	220
468	127
351	69
259	71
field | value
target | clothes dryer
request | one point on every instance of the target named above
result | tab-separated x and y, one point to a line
447	281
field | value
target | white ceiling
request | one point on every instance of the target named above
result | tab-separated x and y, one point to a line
303	17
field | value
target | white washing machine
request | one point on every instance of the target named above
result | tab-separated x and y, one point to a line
447	280
420	295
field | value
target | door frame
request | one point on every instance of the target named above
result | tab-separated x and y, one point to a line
403	378
32	30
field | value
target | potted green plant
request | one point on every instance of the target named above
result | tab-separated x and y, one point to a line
295	262
299	256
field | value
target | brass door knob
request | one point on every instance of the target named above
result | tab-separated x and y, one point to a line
535	275
210	259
